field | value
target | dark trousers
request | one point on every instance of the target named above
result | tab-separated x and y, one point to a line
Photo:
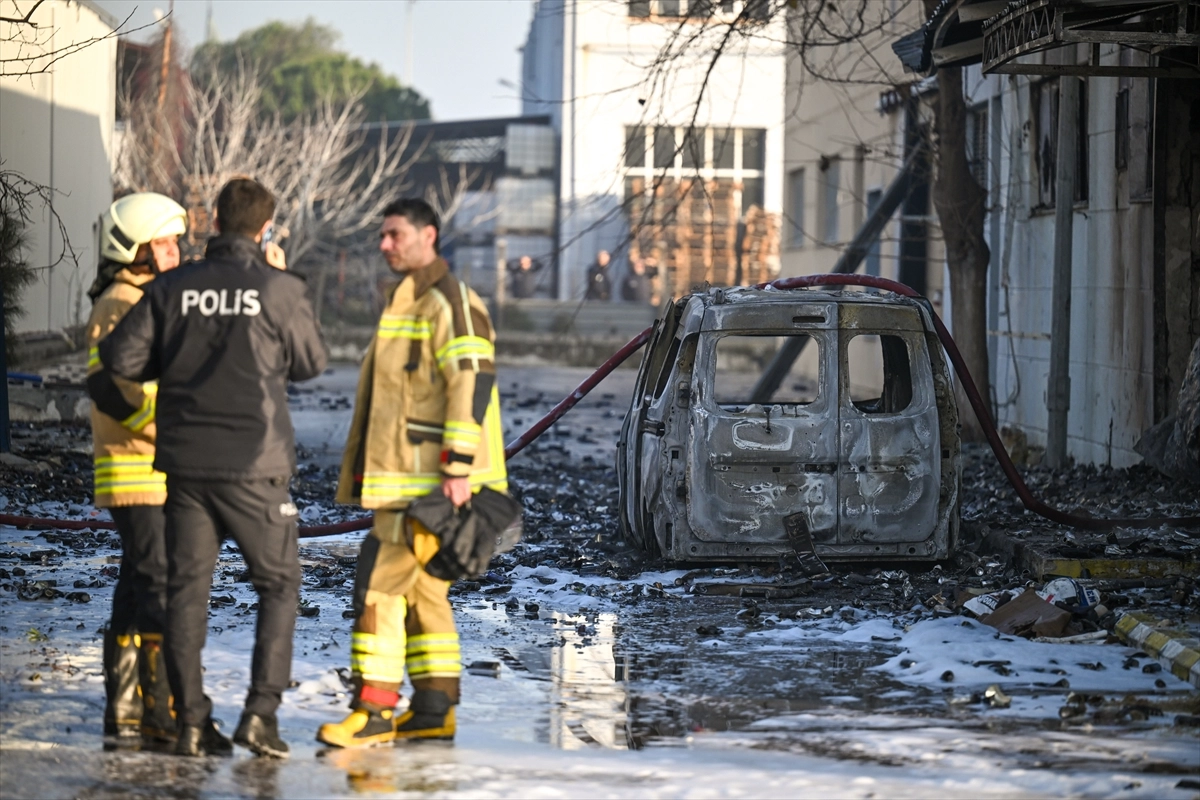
140	597
260	517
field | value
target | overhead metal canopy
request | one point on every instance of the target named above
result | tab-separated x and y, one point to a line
997	33
1169	29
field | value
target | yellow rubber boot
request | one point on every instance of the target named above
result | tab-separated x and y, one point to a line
365	727
430	715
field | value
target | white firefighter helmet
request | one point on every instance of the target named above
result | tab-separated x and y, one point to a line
138	219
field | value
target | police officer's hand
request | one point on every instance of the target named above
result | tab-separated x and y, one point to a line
275	257
458	490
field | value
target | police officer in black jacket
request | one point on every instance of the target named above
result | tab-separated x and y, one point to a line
223	337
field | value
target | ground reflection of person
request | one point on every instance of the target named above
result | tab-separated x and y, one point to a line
599	286
524	278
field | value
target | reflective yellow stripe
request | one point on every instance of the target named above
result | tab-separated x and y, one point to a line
377	657
93	357
404	327
496	476
427	640
465	347
434	655
128	474
465	434
435	669
131	458
396	485
139	419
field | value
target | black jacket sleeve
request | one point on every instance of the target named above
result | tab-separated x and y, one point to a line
107	395
131	350
303	341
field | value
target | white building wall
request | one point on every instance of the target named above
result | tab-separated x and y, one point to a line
604	83
1111	355
56	129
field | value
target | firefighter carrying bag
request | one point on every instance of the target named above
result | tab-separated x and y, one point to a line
469	536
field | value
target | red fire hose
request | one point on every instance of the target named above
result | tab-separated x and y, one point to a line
802	282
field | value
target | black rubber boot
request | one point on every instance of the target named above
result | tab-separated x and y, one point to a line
202	740
158	721
123	703
261	735
430	715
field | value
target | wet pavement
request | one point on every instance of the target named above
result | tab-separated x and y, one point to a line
591	672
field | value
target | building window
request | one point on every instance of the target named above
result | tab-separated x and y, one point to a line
635	146
873	260
755	10
754	149
1044	104
1121	151
795	222
752	193
758	10
707	153
687	190
977	143
1135	128
664	147
693	148
723	147
831	169
639	8
1081	146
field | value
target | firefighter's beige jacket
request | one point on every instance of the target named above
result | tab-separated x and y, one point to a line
124	449
427	405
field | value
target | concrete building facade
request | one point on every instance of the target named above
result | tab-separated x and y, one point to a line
847	134
1131	259
56	124
629	118
1117	389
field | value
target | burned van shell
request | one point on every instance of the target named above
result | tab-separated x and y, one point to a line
708	475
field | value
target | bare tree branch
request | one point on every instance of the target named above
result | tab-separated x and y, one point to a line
25	20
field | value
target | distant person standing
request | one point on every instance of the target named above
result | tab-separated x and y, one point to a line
635	288
223	337
599	284
524	278
139	240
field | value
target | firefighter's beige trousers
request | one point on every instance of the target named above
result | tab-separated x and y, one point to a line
403	616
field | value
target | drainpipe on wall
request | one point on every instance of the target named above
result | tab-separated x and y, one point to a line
1058	385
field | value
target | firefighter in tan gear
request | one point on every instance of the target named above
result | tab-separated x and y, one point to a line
138	241
426	419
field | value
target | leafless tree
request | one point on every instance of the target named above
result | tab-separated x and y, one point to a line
447	195
330	184
31	48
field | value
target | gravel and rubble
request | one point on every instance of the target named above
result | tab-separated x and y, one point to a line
574	641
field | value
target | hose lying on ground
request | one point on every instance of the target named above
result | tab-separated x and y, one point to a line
803	282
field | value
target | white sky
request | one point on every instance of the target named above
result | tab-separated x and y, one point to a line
462	47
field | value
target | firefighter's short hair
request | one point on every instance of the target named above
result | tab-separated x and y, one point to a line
419	214
243	207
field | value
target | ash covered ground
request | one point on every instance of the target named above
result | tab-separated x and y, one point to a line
594	672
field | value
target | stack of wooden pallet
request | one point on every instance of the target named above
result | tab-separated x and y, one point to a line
689	230
760	246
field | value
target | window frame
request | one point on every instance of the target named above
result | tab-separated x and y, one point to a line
711	341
